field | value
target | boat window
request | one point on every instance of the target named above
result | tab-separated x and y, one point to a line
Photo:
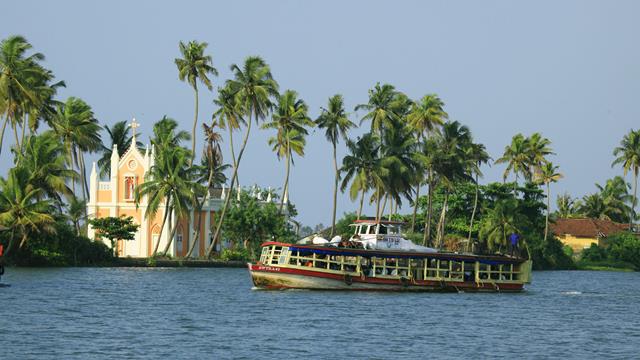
383	229
372	229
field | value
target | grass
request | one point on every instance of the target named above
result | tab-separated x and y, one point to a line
604	265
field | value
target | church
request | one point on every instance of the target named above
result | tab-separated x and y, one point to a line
115	197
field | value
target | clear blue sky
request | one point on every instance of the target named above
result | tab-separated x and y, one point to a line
567	69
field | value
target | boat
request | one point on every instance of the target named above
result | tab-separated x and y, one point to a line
377	257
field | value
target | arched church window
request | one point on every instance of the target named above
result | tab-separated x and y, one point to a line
130	183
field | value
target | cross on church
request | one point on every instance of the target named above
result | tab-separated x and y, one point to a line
134	125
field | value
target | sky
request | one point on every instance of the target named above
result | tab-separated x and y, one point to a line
566	69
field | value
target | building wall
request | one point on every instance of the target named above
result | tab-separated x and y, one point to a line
578	243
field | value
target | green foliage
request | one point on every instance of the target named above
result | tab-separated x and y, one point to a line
549	255
568	250
594	253
115	228
625	247
235	255
250	222
60	248
342	226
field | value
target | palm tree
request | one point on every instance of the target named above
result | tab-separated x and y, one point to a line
477	156
517	157
628	155
548	174
379	107
290	118
17	73
254	87
362	167
43	156
22	210
210	173
615	195
451	164
336	123
538	149
398	145
567	207
229	116
79	131
428	157
194	66
593	207
424	118
119	135
499	222
75	213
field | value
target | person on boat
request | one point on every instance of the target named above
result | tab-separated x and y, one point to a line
513	243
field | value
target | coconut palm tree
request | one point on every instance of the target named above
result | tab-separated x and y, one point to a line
76	211
363	168
628	155
254	89
516	156
398	146
615	195
476	155
18	72
379	108
23	210
229	116
425	117
195	66
593	207
79	131
43	156
499	222
567	207
428	157
336	123
548	174
290	118
538	149
119	135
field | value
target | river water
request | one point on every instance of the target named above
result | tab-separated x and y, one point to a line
133	313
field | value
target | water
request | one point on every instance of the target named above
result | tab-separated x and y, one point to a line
95	313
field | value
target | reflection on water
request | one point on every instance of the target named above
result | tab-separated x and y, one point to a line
213	313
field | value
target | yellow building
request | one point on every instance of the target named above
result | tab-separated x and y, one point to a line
579	234
115	197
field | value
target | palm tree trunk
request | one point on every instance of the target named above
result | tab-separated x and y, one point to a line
83	175
164	221
390	207
4	126
173	234
193	131
335	191
15	133
441	221
24	127
286	177
228	197
473	214
199	207
233	154
415	208
384	206
80	170
378	203
546	221
361	203
635	197
427	225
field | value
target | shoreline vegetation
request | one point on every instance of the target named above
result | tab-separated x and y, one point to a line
413	158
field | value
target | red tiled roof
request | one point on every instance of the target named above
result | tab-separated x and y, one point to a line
591	228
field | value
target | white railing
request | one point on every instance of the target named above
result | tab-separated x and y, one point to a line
104	185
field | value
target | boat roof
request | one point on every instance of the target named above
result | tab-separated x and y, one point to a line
330	250
374	221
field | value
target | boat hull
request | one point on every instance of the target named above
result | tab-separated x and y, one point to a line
280	278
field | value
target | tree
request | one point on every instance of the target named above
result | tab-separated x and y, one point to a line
516	157
615	196
22	210
76	211
500	221
379	107
362	167
425	118
290	119
538	149
120	138
567	207
43	156
254	87
628	155
229	116
336	123
114	229
194	66
548	174
79	131
476	155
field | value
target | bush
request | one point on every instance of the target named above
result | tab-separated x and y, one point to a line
594	253
235	254
625	247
